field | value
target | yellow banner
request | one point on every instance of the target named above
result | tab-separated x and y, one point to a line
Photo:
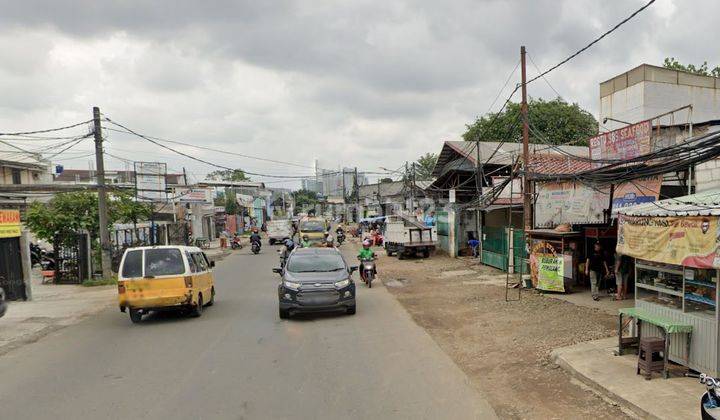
9	223
688	241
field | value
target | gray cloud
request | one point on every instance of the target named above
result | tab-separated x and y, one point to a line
362	82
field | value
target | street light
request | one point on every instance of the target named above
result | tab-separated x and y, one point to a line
606	119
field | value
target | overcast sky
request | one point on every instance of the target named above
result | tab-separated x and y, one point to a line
355	83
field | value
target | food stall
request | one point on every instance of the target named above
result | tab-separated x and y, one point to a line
675	244
553	258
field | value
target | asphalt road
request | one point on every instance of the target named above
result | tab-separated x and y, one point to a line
240	361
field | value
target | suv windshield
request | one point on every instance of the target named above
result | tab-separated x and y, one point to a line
315	263
312	226
164	262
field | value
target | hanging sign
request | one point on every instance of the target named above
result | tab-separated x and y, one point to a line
690	241
624	143
569	202
10	224
451	196
646	190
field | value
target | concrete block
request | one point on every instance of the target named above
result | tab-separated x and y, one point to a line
636	75
659	74
620	82
606	88
695	80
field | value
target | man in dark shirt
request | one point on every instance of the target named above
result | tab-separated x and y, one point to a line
596	268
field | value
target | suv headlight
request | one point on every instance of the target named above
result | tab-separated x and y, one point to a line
342	283
291	285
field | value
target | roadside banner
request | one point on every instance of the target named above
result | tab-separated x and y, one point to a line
624	143
10	224
569	202
550	273
628	194
690	241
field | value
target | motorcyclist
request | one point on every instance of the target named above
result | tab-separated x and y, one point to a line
329	241
255	237
365	254
289	245
340	229
305	243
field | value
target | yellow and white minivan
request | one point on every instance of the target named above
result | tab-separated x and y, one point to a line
158	278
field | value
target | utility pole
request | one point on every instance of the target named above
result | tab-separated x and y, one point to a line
105	247
527	194
408	186
357	196
343	193
479	192
412	190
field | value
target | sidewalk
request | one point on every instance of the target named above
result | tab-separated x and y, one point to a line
53	307
613	377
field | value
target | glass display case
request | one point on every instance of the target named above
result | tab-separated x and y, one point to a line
700	291
686	289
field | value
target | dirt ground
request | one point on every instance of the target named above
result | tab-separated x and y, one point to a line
504	347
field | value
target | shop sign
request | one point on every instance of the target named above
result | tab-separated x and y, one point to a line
10	224
193	195
550	272
569	202
690	241
624	143
641	191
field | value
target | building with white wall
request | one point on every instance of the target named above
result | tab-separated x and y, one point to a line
648	91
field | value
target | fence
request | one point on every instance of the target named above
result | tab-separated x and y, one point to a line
495	247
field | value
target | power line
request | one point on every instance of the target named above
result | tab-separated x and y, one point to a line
211	149
595	41
49	130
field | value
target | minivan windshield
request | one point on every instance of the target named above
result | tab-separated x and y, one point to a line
315	263
163	262
312	226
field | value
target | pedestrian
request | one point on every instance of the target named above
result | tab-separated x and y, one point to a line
596	268
623	268
474	244
224	235
430	219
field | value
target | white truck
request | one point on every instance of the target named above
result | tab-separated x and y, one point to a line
405	236
279	230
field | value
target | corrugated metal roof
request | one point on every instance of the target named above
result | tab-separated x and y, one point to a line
700	204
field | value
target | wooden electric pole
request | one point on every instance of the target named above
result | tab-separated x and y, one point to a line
106	257
527	194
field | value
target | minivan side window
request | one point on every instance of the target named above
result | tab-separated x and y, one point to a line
164	262
200	261
191	262
132	267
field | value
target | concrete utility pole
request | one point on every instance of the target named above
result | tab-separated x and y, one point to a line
527	194
344	207
357	196
412	190
479	192
105	247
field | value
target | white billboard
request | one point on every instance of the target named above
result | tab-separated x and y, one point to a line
150	182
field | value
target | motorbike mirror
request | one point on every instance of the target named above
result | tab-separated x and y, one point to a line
354	268
277	270
212	264
277	250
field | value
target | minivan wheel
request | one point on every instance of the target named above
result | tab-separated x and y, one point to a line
198	309
135	315
284	313
212	297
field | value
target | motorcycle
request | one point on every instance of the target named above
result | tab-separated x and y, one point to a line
255	247
235	243
367	271
340	237
710	401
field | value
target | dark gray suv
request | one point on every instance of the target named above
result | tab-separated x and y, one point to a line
316	279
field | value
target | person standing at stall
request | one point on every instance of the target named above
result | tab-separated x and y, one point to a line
596	268
623	266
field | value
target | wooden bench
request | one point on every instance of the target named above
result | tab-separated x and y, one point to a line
667	325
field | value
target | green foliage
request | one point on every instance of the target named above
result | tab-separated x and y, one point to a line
235	175
73	211
305	198
231	205
424	166
672	63
555	121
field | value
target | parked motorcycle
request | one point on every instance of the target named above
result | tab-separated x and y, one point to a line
3	303
367	271
255	247
235	243
710	401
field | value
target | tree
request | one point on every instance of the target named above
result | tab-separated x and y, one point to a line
554	122
233	175
672	63
424	166
73	211
305	198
